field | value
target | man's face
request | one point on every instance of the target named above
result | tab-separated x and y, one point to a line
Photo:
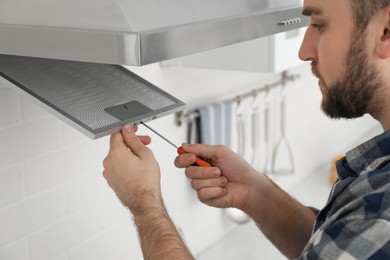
339	59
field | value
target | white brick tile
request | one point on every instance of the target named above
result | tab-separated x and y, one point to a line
28	215
88	189
71	135
209	225
131	252
15	251
22	142
11	185
9	107
112	211
63	256
63	165
30	109
63	235
107	243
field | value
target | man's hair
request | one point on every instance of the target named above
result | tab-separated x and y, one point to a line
364	10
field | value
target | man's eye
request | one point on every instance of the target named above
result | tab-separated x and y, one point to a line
317	26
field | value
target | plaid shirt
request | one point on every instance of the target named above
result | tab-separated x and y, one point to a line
355	223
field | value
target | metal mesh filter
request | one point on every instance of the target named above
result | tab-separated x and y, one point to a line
82	92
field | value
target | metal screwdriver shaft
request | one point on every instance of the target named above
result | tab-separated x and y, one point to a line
157	133
199	161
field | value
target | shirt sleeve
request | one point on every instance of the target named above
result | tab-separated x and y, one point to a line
362	233
358	239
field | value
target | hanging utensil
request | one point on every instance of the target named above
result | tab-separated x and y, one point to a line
255	124
240	128
266	125
282	158
234	214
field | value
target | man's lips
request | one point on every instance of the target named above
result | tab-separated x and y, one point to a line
314	70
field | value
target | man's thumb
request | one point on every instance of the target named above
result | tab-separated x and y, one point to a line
132	141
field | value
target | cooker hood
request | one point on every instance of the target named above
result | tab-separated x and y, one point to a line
137	32
67	54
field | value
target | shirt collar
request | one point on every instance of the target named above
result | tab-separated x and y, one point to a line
362	156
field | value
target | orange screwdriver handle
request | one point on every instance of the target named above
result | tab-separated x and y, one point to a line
199	162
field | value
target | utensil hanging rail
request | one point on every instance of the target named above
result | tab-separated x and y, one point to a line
188	116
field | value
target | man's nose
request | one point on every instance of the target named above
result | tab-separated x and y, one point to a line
308	50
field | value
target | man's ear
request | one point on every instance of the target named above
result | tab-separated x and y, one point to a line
383	44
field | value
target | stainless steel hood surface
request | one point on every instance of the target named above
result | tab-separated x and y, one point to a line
137	32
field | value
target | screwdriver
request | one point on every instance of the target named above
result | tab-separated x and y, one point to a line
198	162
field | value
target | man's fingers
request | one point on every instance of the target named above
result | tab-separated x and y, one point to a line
206	195
198	184
202	150
185	160
145	139
133	142
202	172
117	140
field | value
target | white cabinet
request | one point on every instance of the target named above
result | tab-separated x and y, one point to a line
274	54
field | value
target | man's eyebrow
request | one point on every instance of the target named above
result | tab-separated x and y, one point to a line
308	11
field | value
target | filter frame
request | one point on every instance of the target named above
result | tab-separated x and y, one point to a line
87	98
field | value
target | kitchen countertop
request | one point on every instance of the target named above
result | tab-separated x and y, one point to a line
247	242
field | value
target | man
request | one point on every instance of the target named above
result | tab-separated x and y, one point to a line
348	44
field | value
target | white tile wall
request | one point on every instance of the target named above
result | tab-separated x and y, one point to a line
30	111
111	211
11	184
11	112
106	244
31	214
24	141
64	234
55	204
64	164
61	257
71	135
86	190
17	250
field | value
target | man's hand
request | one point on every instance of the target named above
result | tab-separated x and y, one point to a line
228	184
131	169
234	183
133	173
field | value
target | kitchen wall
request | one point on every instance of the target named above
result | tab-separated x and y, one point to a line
55	204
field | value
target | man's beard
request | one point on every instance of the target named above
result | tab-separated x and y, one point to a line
354	94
